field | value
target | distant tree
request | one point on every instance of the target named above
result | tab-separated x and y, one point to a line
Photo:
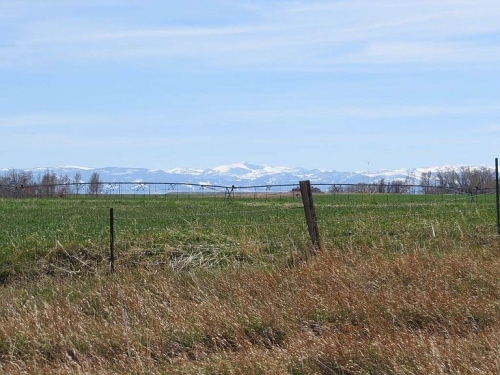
48	184
425	182
95	184
5	187
78	182
52	185
486	178
336	189
447	180
18	184
314	189
359	188
398	187
381	186
465	179
471	180
63	186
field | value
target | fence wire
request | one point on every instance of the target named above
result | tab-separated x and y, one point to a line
230	226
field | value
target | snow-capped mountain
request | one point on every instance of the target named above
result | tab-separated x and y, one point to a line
238	174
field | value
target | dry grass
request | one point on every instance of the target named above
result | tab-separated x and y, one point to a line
351	312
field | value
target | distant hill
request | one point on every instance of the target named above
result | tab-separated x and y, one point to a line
238	174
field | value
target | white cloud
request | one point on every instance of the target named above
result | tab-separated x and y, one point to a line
311	36
424	52
488	129
365	112
51	120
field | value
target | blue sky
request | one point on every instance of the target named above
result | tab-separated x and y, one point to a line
315	84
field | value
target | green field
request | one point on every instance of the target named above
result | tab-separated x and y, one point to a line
405	284
214	230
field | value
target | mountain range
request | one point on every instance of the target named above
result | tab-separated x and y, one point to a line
238	174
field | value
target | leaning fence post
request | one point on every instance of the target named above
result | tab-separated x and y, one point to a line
112	240
312	222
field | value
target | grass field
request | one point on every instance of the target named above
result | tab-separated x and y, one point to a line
405	284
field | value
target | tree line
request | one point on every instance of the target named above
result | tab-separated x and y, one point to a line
465	180
25	184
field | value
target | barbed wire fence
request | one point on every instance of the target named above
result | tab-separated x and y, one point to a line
190	225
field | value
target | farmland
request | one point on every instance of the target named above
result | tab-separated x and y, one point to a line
404	284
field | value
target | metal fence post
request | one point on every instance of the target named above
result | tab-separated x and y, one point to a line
112	240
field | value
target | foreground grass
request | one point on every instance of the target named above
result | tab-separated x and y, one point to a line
355	312
217	287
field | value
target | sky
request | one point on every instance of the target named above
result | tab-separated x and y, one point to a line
340	85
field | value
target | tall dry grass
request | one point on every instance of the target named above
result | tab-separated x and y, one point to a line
350	312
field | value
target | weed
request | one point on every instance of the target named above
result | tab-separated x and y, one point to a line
210	286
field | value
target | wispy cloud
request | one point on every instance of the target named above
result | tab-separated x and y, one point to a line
311	36
366	112
79	142
424	52
488	129
50	120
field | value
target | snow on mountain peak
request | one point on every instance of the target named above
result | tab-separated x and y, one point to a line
236	166
242	174
192	171
227	168
74	167
249	171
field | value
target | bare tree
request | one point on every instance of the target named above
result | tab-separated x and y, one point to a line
486	178
381	186
48	184
359	188
447	180
18	184
425	182
336	189
465	179
78	182
63	186
473	179
398	187
95	184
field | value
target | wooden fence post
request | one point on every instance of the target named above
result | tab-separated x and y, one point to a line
112	240
497	195
312	222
